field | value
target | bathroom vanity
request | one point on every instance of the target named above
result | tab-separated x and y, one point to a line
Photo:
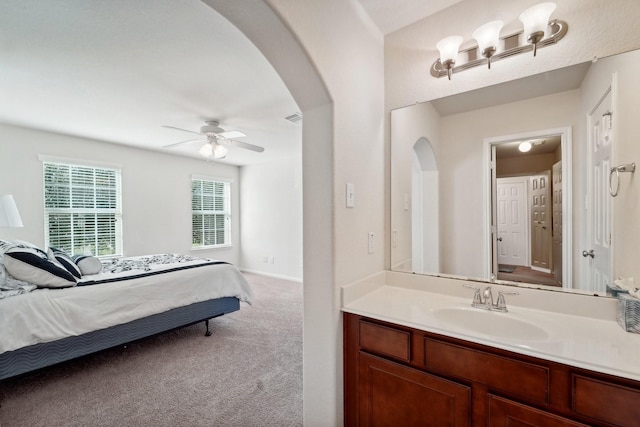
414	356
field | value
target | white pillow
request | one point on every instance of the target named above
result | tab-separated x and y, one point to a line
33	266
65	260
88	264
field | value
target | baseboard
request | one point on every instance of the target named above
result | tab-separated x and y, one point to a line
275	276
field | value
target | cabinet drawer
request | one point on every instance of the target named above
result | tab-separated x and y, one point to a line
505	413
524	380
385	341
604	401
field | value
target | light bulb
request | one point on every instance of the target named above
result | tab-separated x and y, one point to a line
524	146
206	150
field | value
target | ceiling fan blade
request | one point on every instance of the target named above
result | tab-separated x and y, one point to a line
232	134
184	142
184	130
241	144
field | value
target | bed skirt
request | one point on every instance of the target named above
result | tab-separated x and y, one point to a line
37	356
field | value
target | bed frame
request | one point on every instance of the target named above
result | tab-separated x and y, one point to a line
27	359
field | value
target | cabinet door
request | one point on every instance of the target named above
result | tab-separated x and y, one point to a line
394	395
506	413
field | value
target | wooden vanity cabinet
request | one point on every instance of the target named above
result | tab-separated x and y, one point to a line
399	376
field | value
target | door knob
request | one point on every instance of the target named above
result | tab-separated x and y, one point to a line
586	254
499	239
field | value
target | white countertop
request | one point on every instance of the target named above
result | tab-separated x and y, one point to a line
594	342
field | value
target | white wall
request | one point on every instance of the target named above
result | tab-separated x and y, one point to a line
271	218
156	190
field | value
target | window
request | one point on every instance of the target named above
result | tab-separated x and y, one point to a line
210	208
83	209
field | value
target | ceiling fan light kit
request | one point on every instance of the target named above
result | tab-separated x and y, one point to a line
216	140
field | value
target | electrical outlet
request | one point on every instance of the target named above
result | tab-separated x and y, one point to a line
265	259
272	260
371	242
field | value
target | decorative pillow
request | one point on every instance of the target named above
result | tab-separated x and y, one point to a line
31	265
4	245
88	264
65	260
24	244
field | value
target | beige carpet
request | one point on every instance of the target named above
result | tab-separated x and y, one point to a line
248	373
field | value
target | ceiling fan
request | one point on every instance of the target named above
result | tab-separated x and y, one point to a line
215	140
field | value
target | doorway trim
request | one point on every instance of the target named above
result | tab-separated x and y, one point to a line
567	196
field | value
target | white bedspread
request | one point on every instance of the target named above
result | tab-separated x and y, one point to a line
46	315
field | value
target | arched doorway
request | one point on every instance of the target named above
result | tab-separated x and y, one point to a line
425	243
322	357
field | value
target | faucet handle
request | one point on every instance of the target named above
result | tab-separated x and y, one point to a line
501	304
477	298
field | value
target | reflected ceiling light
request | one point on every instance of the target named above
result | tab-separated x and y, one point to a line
487	37
448	48
524	146
535	21
538	32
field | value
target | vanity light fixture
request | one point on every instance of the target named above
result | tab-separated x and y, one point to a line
538	32
448	48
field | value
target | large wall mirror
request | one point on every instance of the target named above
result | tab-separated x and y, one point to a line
514	182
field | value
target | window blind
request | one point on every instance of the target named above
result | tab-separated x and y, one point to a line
83	209
210	207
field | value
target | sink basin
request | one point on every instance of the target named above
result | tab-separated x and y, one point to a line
490	323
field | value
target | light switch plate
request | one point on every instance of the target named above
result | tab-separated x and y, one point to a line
350	195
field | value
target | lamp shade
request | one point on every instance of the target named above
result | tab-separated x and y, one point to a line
9	215
448	48
487	37
536	18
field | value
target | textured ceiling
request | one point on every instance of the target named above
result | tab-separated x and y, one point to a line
391	15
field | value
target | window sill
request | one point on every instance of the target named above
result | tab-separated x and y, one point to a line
208	248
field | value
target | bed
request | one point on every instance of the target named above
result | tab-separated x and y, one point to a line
129	299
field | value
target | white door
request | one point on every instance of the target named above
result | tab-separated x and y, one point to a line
541	243
599	252
513	239
556	188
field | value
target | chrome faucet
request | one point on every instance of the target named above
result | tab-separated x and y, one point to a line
483	298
